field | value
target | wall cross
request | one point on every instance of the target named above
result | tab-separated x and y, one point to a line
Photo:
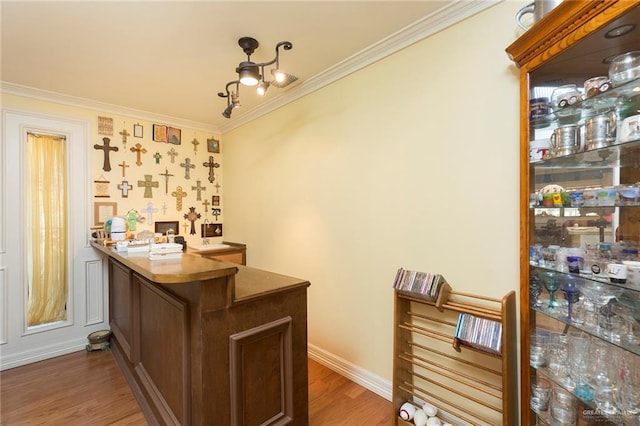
211	165
166	175
125	188
187	167
179	194
148	184
138	149
157	156
217	186
206	205
195	145
124	166
216	212
172	153
124	135
149	210
106	164
198	188
192	216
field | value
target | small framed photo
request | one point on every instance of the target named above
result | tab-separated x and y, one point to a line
103	212
105	126
137	130
163	227
159	133
213	145
174	136
215	200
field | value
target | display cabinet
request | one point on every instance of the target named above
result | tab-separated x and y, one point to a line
580	214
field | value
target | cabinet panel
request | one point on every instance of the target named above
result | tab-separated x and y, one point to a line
121	306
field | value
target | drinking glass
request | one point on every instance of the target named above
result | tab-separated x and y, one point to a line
550	282
540	394
606	376
629	390
572	294
600	295
535	290
538	346
562	407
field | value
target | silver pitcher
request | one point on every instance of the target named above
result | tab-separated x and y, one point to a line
539	8
565	140
600	130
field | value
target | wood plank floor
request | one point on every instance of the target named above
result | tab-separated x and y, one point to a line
88	388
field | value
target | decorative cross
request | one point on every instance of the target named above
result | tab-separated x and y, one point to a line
147	183
187	166
211	165
106	164
149	210
172	153
216	212
157	156
138	149
195	145
198	188
206	204
164	208
124	135
185	226
179	194
192	216
124	166
217	186
166	175
125	188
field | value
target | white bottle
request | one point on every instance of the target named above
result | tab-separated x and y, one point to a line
429	409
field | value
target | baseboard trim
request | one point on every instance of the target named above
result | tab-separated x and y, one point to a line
364	378
41	354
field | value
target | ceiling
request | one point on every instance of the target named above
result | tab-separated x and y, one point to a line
170	59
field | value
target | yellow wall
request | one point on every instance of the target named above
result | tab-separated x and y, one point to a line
411	162
134	173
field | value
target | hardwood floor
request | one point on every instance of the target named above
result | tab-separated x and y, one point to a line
88	388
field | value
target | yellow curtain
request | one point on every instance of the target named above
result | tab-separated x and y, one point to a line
46	199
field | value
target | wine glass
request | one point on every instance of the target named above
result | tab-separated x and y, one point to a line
601	294
572	294
550	282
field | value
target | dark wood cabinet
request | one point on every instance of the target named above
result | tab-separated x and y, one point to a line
205	342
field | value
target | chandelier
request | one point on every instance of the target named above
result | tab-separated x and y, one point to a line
253	74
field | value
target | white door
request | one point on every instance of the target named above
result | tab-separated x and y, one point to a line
87	293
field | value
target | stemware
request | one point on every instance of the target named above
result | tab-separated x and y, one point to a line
572	294
607	374
600	295
550	282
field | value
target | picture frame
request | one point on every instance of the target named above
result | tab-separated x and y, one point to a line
213	146
103	211
137	130
105	126
215	200
159	133
174	136
163	227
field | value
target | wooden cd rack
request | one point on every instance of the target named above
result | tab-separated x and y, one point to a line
466	384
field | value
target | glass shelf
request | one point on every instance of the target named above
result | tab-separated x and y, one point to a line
589	107
621	155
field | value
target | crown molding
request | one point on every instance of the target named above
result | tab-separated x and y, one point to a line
429	25
102	107
425	27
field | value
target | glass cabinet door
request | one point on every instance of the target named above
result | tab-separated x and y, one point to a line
581	310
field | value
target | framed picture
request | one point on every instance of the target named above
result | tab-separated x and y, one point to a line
215	200
137	130
105	126
174	135
163	227
159	133
213	146
103	212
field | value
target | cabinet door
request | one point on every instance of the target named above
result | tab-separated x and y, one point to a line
121	295
580	290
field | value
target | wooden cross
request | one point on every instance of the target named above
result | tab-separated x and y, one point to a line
124	135
172	153
166	175
185	226
192	216
157	156
138	149
211	165
149	210
125	188
206	204
147	183
217	186
179	194
195	145
187	166
216	212
198	188
164	208
124	166
106	164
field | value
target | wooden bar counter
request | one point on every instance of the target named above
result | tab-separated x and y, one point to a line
206	342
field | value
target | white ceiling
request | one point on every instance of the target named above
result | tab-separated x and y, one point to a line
170	59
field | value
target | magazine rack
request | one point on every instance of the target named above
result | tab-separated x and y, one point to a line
465	383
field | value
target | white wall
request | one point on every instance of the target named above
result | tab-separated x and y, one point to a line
411	162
